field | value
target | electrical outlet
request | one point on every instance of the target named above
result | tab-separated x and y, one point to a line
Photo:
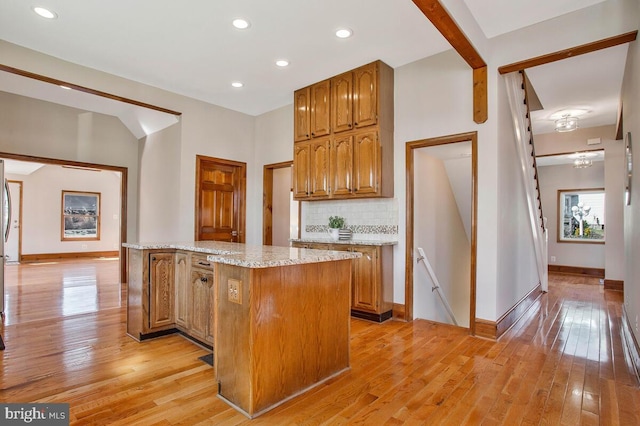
234	291
553	258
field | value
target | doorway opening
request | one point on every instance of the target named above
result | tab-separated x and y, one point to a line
280	212
122	190
441	223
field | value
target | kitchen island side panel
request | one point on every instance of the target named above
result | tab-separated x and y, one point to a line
297	333
135	284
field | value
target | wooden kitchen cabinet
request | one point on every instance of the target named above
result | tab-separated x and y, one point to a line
311	169
150	293
371	280
320	109
302	114
360	131
182	270
161	287
365	96
201	308
342	102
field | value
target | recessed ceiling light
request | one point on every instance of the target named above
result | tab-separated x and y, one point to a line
282	63
45	13
344	33
241	23
237	84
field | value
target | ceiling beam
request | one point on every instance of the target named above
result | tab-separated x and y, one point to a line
569	53
440	18
88	90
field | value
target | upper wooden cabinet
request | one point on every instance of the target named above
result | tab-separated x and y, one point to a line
342	102
320	109
302	115
365	95
354	112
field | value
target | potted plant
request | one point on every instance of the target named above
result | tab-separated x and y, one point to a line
335	224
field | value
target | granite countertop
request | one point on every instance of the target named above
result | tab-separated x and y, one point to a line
352	242
249	256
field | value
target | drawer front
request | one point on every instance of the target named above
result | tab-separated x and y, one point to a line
200	261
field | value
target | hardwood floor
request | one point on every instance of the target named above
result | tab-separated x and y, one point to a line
562	364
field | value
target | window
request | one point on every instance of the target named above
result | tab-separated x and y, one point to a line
581	215
80	216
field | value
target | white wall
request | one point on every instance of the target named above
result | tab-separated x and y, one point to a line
439	230
42	209
159	157
631	112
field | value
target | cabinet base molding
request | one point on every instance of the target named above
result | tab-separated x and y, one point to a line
371	316
196	341
153	335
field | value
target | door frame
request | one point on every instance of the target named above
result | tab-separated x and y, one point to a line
123	194
267	200
21	183
409	255
239	204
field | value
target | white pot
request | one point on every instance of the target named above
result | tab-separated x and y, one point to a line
334	233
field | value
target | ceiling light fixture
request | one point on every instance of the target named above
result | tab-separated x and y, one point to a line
65	87
45	13
282	63
344	33
241	23
237	84
582	162
566	124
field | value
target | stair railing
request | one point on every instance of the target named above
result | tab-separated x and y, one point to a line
435	286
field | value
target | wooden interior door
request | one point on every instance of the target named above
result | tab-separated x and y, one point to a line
220	199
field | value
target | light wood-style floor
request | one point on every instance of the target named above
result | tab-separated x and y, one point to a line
562	364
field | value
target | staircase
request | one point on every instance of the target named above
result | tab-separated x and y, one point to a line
517	94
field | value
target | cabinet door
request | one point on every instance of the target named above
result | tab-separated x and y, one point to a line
342	102
301	158
366	163
200	318
320	109
365	100
342	165
319	176
182	289
161	286
302	115
366	279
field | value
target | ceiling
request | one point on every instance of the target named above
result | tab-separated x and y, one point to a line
195	51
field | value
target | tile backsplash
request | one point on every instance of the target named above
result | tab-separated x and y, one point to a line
368	219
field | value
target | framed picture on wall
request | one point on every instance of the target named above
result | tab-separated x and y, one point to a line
80	215
628	168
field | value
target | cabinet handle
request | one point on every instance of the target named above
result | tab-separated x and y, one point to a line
313	134
203	263
153	258
204	279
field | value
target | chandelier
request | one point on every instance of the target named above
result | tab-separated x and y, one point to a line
567	123
582	162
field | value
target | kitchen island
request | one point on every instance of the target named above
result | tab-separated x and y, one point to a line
278	316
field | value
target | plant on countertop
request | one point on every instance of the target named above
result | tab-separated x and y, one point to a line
336	222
